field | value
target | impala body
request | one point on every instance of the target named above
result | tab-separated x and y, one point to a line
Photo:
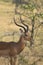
14	48
11	48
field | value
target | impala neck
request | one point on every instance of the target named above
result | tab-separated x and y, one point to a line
21	39
21	44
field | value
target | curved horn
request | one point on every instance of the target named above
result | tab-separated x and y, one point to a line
24	25
19	25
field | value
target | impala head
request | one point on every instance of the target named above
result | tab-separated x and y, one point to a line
24	33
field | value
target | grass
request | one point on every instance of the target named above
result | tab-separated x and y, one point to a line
6	16
6	0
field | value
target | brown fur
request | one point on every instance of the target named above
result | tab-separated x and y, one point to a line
12	48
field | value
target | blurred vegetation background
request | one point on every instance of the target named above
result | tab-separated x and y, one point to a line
27	9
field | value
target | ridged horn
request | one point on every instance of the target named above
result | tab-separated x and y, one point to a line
24	25
20	25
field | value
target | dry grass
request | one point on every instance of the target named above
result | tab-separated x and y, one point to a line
6	18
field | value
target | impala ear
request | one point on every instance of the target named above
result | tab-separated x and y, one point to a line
21	32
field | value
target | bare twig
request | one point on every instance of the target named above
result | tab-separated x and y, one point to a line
32	32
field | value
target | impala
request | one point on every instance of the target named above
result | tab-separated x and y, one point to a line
14	48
